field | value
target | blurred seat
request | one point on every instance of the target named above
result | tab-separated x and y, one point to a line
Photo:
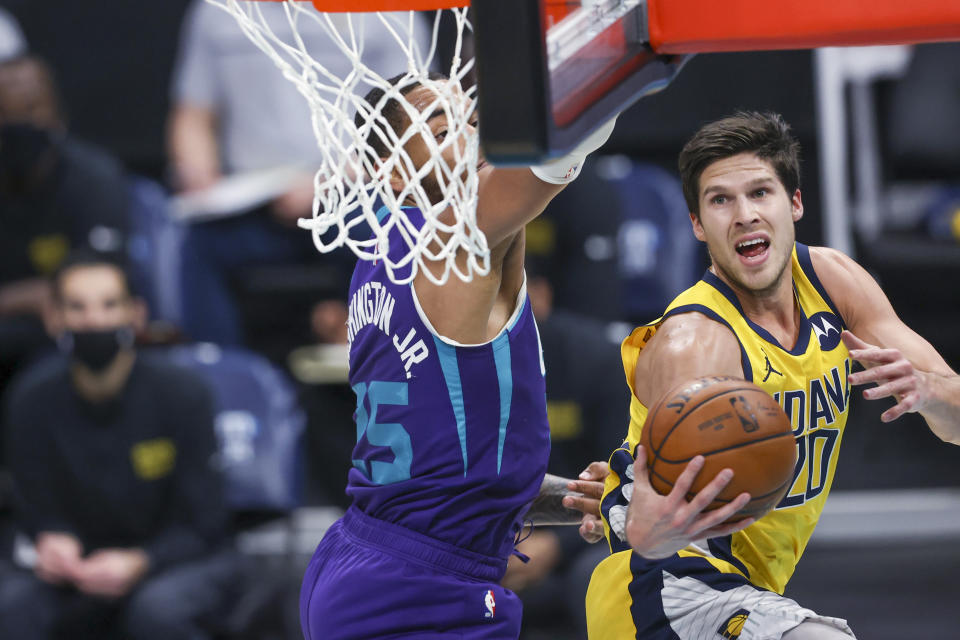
658	256
260	427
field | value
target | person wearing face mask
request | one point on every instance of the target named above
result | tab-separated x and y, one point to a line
111	455
57	193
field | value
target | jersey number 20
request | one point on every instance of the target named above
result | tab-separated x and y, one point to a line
814	451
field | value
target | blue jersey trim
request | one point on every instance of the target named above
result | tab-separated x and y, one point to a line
451	375
803	338
806	265
722	550
710	313
620	460
502	360
384	210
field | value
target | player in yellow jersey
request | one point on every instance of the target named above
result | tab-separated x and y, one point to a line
786	317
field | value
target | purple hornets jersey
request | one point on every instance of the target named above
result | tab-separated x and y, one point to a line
452	440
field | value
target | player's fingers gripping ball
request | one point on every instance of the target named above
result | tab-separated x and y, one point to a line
733	424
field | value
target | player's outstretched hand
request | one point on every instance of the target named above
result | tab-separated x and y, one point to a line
894	374
659	526
590	485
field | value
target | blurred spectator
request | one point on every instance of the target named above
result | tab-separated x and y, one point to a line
111	456
56	193
235	114
12	43
632	254
587	400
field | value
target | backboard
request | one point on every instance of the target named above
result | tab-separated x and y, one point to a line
551	71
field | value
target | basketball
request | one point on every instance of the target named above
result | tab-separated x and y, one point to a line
733	424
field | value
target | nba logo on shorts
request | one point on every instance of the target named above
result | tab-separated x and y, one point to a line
489	604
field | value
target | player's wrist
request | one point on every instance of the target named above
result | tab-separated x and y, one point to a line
566	168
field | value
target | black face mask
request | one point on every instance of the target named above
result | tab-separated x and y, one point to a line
96	349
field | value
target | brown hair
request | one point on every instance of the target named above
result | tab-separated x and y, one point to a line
764	134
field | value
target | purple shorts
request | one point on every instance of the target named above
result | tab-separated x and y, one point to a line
372	579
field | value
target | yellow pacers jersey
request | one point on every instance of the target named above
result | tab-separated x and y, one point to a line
808	379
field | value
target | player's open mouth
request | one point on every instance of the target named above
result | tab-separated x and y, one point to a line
753	250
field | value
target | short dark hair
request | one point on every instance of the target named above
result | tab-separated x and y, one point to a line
392	111
87	257
765	134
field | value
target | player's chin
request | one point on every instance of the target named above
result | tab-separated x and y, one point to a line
761	279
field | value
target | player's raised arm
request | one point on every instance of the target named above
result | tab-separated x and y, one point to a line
904	365
510	197
507	199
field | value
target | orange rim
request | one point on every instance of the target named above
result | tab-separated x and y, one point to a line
360	6
691	26
386	5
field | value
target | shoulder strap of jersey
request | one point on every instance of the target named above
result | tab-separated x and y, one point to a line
700	298
808	284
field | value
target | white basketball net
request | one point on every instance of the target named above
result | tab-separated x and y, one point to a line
351	177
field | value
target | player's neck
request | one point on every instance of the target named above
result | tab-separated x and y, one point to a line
775	308
780	318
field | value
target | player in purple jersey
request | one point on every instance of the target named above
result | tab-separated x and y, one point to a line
453	438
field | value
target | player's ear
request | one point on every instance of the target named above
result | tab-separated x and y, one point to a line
697	227
397	179
796	206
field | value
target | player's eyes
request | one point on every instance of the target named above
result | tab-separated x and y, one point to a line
718	200
440	135
759	193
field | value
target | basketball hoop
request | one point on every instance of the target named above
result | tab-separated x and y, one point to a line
354	203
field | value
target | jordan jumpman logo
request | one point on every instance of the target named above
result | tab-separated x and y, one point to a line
769	367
